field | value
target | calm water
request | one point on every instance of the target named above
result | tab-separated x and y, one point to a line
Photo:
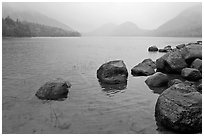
27	63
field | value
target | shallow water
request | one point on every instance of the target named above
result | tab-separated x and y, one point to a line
27	63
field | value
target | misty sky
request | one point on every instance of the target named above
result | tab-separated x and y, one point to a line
88	16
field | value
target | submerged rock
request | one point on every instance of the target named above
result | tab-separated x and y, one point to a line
179	108
157	80
191	74
113	72
197	64
54	90
152	48
144	69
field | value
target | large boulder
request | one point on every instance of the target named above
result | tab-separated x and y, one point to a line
145	68
113	72
152	48
171	62
192	52
197	64
157	80
179	108
191	74
54	90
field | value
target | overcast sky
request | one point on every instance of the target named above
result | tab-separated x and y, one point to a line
87	16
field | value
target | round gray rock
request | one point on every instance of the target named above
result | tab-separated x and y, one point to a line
157	80
113	72
152	48
197	64
54	90
145	68
179	108
191	74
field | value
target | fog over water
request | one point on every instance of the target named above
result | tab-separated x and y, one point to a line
87	16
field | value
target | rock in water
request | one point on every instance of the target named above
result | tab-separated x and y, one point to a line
113	72
157	80
54	90
197	64
152	48
179	108
191	74
145	68
162	50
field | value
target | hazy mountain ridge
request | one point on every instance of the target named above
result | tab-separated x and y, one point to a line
32	16
187	24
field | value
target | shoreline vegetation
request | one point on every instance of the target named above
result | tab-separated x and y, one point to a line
11	28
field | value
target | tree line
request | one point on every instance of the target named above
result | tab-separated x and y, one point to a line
11	28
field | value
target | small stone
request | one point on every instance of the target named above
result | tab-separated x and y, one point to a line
153	48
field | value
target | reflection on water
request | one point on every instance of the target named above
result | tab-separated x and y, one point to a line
110	89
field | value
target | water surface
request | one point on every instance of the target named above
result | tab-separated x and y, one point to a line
27	63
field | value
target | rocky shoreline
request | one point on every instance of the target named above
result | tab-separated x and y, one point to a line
179	106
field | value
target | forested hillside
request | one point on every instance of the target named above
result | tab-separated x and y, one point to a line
11	28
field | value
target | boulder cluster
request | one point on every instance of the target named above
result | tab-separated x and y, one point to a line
179	107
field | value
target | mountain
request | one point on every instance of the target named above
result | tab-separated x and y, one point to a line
104	30
187	23
124	29
11	28
128	29
31	16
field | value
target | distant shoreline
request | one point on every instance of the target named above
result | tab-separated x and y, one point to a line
98	36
